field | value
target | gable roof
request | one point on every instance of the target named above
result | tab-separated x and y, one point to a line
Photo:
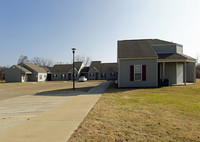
93	70
96	64
139	48
34	67
20	68
109	67
64	68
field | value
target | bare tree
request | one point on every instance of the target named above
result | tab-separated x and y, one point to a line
42	62
2	69
23	59
85	59
198	71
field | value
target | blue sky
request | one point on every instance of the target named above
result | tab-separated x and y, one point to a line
50	28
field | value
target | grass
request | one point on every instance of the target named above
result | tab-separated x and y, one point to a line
154	114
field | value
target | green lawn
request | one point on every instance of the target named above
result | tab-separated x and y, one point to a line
155	114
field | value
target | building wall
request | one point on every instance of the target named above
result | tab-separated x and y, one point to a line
170	72
109	76
179	49
59	76
33	77
93	77
42	76
191	72
151	73
13	74
168	49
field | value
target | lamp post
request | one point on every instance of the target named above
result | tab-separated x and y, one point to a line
73	51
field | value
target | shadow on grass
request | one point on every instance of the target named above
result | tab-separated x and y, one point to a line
113	88
65	92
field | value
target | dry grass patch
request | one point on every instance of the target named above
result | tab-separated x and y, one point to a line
159	114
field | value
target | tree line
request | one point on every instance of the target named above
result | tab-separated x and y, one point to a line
46	62
198	71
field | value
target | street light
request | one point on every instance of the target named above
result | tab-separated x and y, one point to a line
73	51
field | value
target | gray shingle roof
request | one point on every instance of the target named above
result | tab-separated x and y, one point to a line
35	67
64	68
85	69
175	56
23	69
139	48
109	67
96	64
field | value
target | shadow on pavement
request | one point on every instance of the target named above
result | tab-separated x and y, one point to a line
65	92
100	89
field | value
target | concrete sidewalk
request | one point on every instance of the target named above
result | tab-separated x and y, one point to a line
59	123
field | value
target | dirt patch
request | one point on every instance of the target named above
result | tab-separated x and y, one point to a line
161	114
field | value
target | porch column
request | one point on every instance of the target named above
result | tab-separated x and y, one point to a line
163	73
185	75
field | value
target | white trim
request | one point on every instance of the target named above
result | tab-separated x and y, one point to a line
146	58
173	60
138	72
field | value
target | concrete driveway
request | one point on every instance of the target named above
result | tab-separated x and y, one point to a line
44	118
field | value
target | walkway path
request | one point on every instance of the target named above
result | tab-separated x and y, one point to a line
59	123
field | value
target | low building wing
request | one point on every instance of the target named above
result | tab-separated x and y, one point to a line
175	56
23	69
65	68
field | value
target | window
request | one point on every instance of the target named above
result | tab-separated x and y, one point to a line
40	76
54	75
112	74
91	74
138	73
63	76
103	75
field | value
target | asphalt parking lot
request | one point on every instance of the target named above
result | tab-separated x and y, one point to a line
10	90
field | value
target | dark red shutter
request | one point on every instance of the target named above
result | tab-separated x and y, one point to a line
131	73
143	72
